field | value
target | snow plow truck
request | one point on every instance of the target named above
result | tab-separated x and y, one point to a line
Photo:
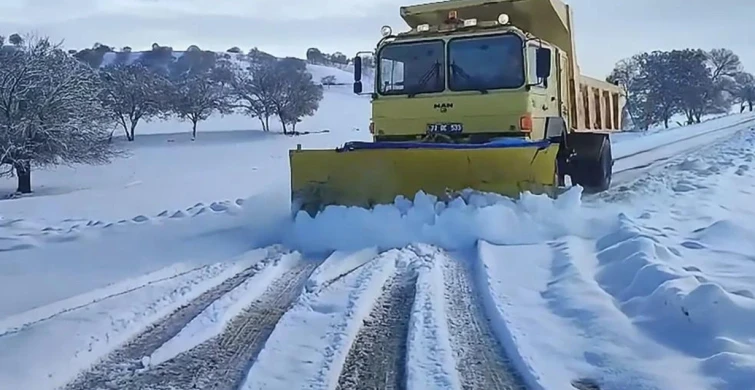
479	94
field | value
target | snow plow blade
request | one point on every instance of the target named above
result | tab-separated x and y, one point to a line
366	174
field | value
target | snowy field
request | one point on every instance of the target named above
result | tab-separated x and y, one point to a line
178	267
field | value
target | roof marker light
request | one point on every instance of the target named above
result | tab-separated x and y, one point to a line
470	22
423	27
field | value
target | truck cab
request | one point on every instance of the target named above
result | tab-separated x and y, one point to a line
466	78
472	71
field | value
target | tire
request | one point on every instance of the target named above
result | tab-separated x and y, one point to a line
594	171
606	166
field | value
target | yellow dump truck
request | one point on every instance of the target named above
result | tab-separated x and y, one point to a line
479	94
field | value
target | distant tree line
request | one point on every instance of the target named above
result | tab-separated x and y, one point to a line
59	106
691	82
317	57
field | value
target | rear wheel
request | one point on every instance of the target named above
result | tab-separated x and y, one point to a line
590	163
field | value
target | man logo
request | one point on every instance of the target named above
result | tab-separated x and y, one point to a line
443	107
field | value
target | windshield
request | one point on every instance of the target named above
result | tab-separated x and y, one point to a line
482	63
411	68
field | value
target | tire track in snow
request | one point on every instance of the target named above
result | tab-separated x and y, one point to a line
57	309
431	363
377	358
481	359
223	361
127	359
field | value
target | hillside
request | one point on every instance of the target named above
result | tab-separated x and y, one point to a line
353	112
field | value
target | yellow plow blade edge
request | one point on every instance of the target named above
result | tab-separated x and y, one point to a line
371	176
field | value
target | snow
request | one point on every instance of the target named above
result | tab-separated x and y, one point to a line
648	286
339	264
201	237
292	358
632	143
51	352
16	323
454	226
620	305
631	306
166	170
430	360
211	321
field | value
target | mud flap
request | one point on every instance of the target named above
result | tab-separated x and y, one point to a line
368	174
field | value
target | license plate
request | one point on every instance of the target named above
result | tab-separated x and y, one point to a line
445	128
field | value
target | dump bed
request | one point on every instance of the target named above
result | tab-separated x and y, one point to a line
594	105
546	19
598	108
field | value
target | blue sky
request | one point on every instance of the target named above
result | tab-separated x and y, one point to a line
607	30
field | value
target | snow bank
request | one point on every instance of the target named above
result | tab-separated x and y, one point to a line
549	289
697	318
490	217
725	235
680	263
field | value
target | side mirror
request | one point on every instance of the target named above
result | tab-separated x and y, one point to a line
358	68
357	87
543	63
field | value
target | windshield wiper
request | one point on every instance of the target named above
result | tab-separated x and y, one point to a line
456	69
432	72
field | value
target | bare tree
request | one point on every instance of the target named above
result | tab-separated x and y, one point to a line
50	113
626	74
297	102
328	80
130	93
297	95
723	63
16	40
694	90
252	84
195	97
745	91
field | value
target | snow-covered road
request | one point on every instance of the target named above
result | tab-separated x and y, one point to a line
635	156
617	289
